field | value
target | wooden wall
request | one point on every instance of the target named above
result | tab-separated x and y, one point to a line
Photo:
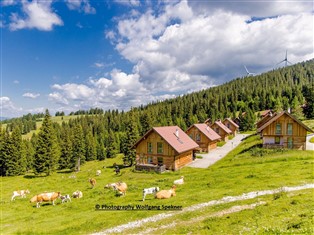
171	160
204	143
298	132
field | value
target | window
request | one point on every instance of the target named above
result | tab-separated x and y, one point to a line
278	129
290	143
149	147
191	136
228	125
198	137
160	161
277	140
150	160
289	129
159	148
217	130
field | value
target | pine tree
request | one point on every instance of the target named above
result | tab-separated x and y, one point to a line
47	150
66	148
100	149
78	149
91	152
132	136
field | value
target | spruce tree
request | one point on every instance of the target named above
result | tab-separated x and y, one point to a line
129	141
47	150
66	148
91	152
78	149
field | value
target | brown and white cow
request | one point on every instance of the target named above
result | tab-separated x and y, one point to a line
20	193
45	197
92	181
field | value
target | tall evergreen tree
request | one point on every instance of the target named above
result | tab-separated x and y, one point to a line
91	152
78	149
47	150
132	135
16	164
308	93
66	148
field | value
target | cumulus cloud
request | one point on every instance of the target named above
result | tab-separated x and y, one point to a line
257	8
7	107
38	15
81	5
8	2
178	47
31	95
128	2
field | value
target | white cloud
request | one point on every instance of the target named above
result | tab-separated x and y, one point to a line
58	98
74	91
135	3
31	95
81	5
7	107
178	49
16	82
8	2
39	15
256	8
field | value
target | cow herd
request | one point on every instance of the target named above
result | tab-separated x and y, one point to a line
119	187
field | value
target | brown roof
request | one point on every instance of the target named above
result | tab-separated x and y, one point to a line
232	122
207	131
263	113
174	136
222	126
275	117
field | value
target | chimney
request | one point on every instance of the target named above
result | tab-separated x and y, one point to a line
177	133
289	110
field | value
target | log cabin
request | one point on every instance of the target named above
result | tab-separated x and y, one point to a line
221	130
231	125
164	148
283	130
204	136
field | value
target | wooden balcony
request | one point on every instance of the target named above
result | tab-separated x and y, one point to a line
150	167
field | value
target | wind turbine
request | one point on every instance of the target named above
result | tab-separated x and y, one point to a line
285	60
247	72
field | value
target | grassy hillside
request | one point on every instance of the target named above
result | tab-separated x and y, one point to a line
247	168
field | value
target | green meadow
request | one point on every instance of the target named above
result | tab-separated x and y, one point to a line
247	168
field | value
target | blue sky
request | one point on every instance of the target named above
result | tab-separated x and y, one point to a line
116	54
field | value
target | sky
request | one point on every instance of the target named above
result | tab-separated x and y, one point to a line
116	54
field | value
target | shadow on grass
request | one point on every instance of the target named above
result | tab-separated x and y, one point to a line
33	176
65	171
252	147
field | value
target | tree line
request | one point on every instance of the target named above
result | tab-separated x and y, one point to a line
97	134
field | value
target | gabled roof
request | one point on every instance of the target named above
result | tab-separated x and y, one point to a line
207	131
263	113
265	119
174	136
222	126
232	122
275	117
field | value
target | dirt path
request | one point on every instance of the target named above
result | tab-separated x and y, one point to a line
245	196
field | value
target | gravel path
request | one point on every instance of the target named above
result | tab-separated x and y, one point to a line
227	199
309	145
216	154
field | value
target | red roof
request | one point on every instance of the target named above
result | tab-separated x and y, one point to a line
174	136
222	126
232	122
207	131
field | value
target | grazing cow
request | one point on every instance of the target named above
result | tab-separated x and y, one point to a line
45	197
98	172
163	194
152	190
92	182
120	187
77	194
20	193
180	181
112	185
65	198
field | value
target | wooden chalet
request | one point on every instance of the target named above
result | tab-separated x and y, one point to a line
283	130
221	130
204	136
231	125
164	148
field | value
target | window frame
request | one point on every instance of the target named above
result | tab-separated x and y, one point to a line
278	129
150	147
289	131
160	148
